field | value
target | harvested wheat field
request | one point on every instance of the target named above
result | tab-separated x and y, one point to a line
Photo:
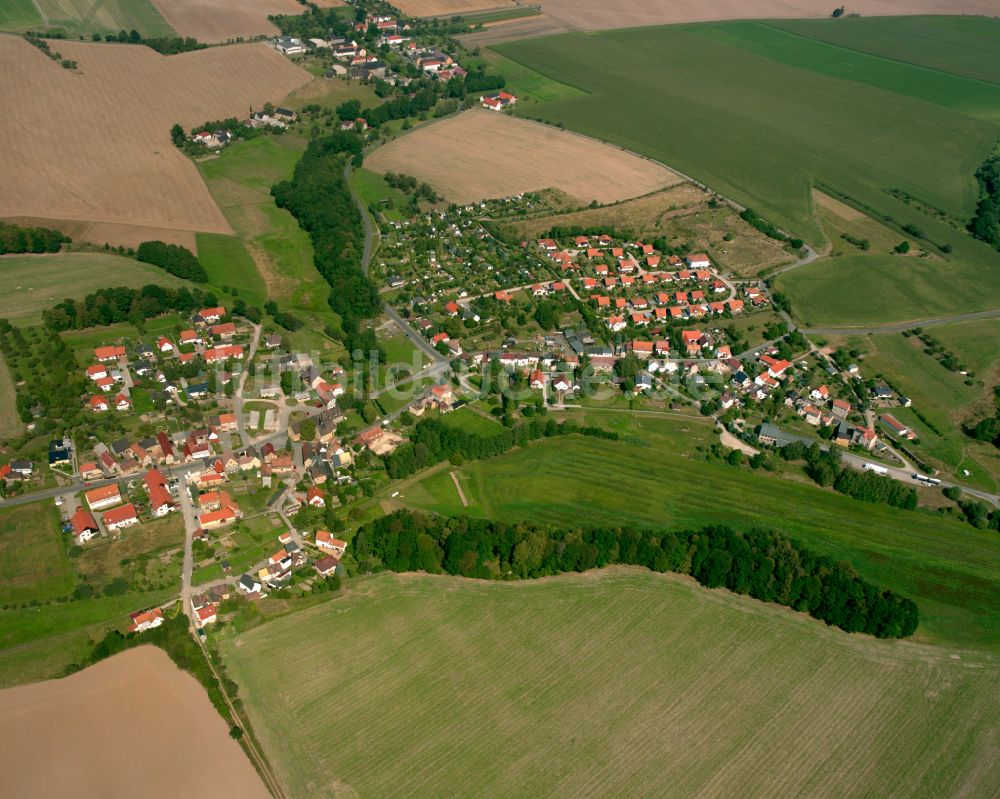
133	725
436	8
99	148
222	20
481	154
601	15
613	683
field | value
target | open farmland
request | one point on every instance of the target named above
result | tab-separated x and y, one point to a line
437	8
222	20
101	151
481	154
135	719
599	15
611	683
37	282
84	17
948	568
767	115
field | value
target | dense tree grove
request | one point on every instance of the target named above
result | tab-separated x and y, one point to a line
825	468
320	199
107	306
18	239
985	224
760	563
175	259
433	441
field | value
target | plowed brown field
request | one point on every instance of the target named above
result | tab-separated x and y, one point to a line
134	725
94	145
434	8
480	154
221	20
601	15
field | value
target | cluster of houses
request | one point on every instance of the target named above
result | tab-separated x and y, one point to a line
117	511
115	370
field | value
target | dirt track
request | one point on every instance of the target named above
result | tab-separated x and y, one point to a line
482	154
134	725
94	145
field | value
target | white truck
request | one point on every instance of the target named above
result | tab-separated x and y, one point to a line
874	467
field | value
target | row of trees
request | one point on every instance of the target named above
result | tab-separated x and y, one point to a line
19	239
760	563
319	197
755	220
175	259
432	441
108	306
825	468
985	224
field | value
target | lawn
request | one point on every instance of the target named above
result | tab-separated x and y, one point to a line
136	556
614	683
37	282
765	115
19	15
401	359
652	477
229	266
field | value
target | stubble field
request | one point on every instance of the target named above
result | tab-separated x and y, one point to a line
599	15
612	683
221	20
133	724
434	8
482	154
100	149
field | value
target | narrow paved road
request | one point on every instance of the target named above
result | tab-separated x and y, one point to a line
366	256
238	394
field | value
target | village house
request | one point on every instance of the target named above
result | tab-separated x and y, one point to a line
120	518
325	540
84	526
103	497
145	620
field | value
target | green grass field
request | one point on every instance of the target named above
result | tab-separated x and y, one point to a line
228	265
19	15
942	396
471	422
375	192
10	422
39	634
37	282
766	114
32	556
84	17
949	568
615	683
959	45
240	180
